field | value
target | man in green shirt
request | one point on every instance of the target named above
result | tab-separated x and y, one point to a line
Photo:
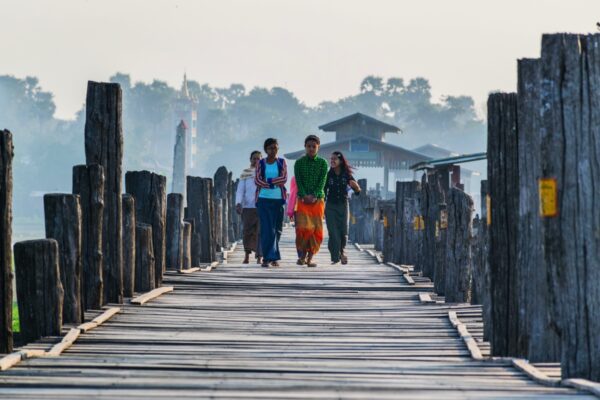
311	175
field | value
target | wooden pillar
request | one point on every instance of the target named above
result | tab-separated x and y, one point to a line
388	210
150	193
174	236
179	160
570	120
221	180
88	183
439	274
407	206
187	246
458	255
538	340
200	209
6	274
104	146
62	216
231	213
430	212
128	244
386	182
481	270
144	258
39	289
503	177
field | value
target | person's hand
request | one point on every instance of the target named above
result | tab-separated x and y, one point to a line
309	199
238	208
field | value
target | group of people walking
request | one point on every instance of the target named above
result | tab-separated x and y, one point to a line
317	190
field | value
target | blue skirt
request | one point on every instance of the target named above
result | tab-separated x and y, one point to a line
270	214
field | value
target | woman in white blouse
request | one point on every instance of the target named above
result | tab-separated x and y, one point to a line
245	203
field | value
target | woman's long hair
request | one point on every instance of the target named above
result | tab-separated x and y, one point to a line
346	167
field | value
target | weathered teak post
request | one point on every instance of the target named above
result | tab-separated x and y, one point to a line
179	160
458	237
481	270
144	258
187	246
39	290
104	146
231	213
62	215
88	183
429	209
200	208
236	218
388	211
537	341
6	275
150	193
407	209
128	244
174	231
439	274
503	178
570	195
221	188
218	222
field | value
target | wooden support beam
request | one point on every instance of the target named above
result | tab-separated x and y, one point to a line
129	222
6	274
144	258
174	238
104	146
88	183
150	193
39	289
62	215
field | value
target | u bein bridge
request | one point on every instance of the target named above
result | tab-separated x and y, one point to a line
143	295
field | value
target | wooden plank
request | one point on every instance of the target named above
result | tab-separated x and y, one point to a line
534	373
146	297
65	343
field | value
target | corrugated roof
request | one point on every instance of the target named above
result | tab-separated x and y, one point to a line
449	161
331	126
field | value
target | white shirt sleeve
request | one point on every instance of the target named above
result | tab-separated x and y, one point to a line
239	194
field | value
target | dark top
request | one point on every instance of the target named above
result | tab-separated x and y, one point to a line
336	187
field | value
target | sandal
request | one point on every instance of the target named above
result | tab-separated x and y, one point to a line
301	261
309	262
344	259
274	264
265	265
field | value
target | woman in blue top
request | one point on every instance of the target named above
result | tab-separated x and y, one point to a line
271	176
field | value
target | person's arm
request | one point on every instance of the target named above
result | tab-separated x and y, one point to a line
326	189
291	205
282	178
299	180
352	183
239	194
258	177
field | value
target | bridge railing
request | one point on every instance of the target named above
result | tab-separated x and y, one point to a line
532	256
103	245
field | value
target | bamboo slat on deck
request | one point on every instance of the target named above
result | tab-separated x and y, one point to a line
356	331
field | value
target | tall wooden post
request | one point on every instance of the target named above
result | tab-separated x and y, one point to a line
430	212
407	206
481	270
174	231
537	341
6	274
458	259
570	195
62	214
144	258
150	193
200	207
180	160
388	209
439	274
231	213
221	180
187	246
39	290
503	177
129	223
88	183
104	146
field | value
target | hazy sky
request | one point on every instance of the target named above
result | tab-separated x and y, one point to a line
319	49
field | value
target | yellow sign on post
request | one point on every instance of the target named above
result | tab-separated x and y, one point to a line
548	190
385	221
416	223
443	219
421	223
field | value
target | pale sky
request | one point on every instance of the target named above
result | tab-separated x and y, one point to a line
319	49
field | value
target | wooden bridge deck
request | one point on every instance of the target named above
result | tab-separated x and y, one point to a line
356	331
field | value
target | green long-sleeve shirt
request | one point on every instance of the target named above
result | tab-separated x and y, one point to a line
311	176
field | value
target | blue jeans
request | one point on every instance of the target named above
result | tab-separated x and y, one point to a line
270	213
